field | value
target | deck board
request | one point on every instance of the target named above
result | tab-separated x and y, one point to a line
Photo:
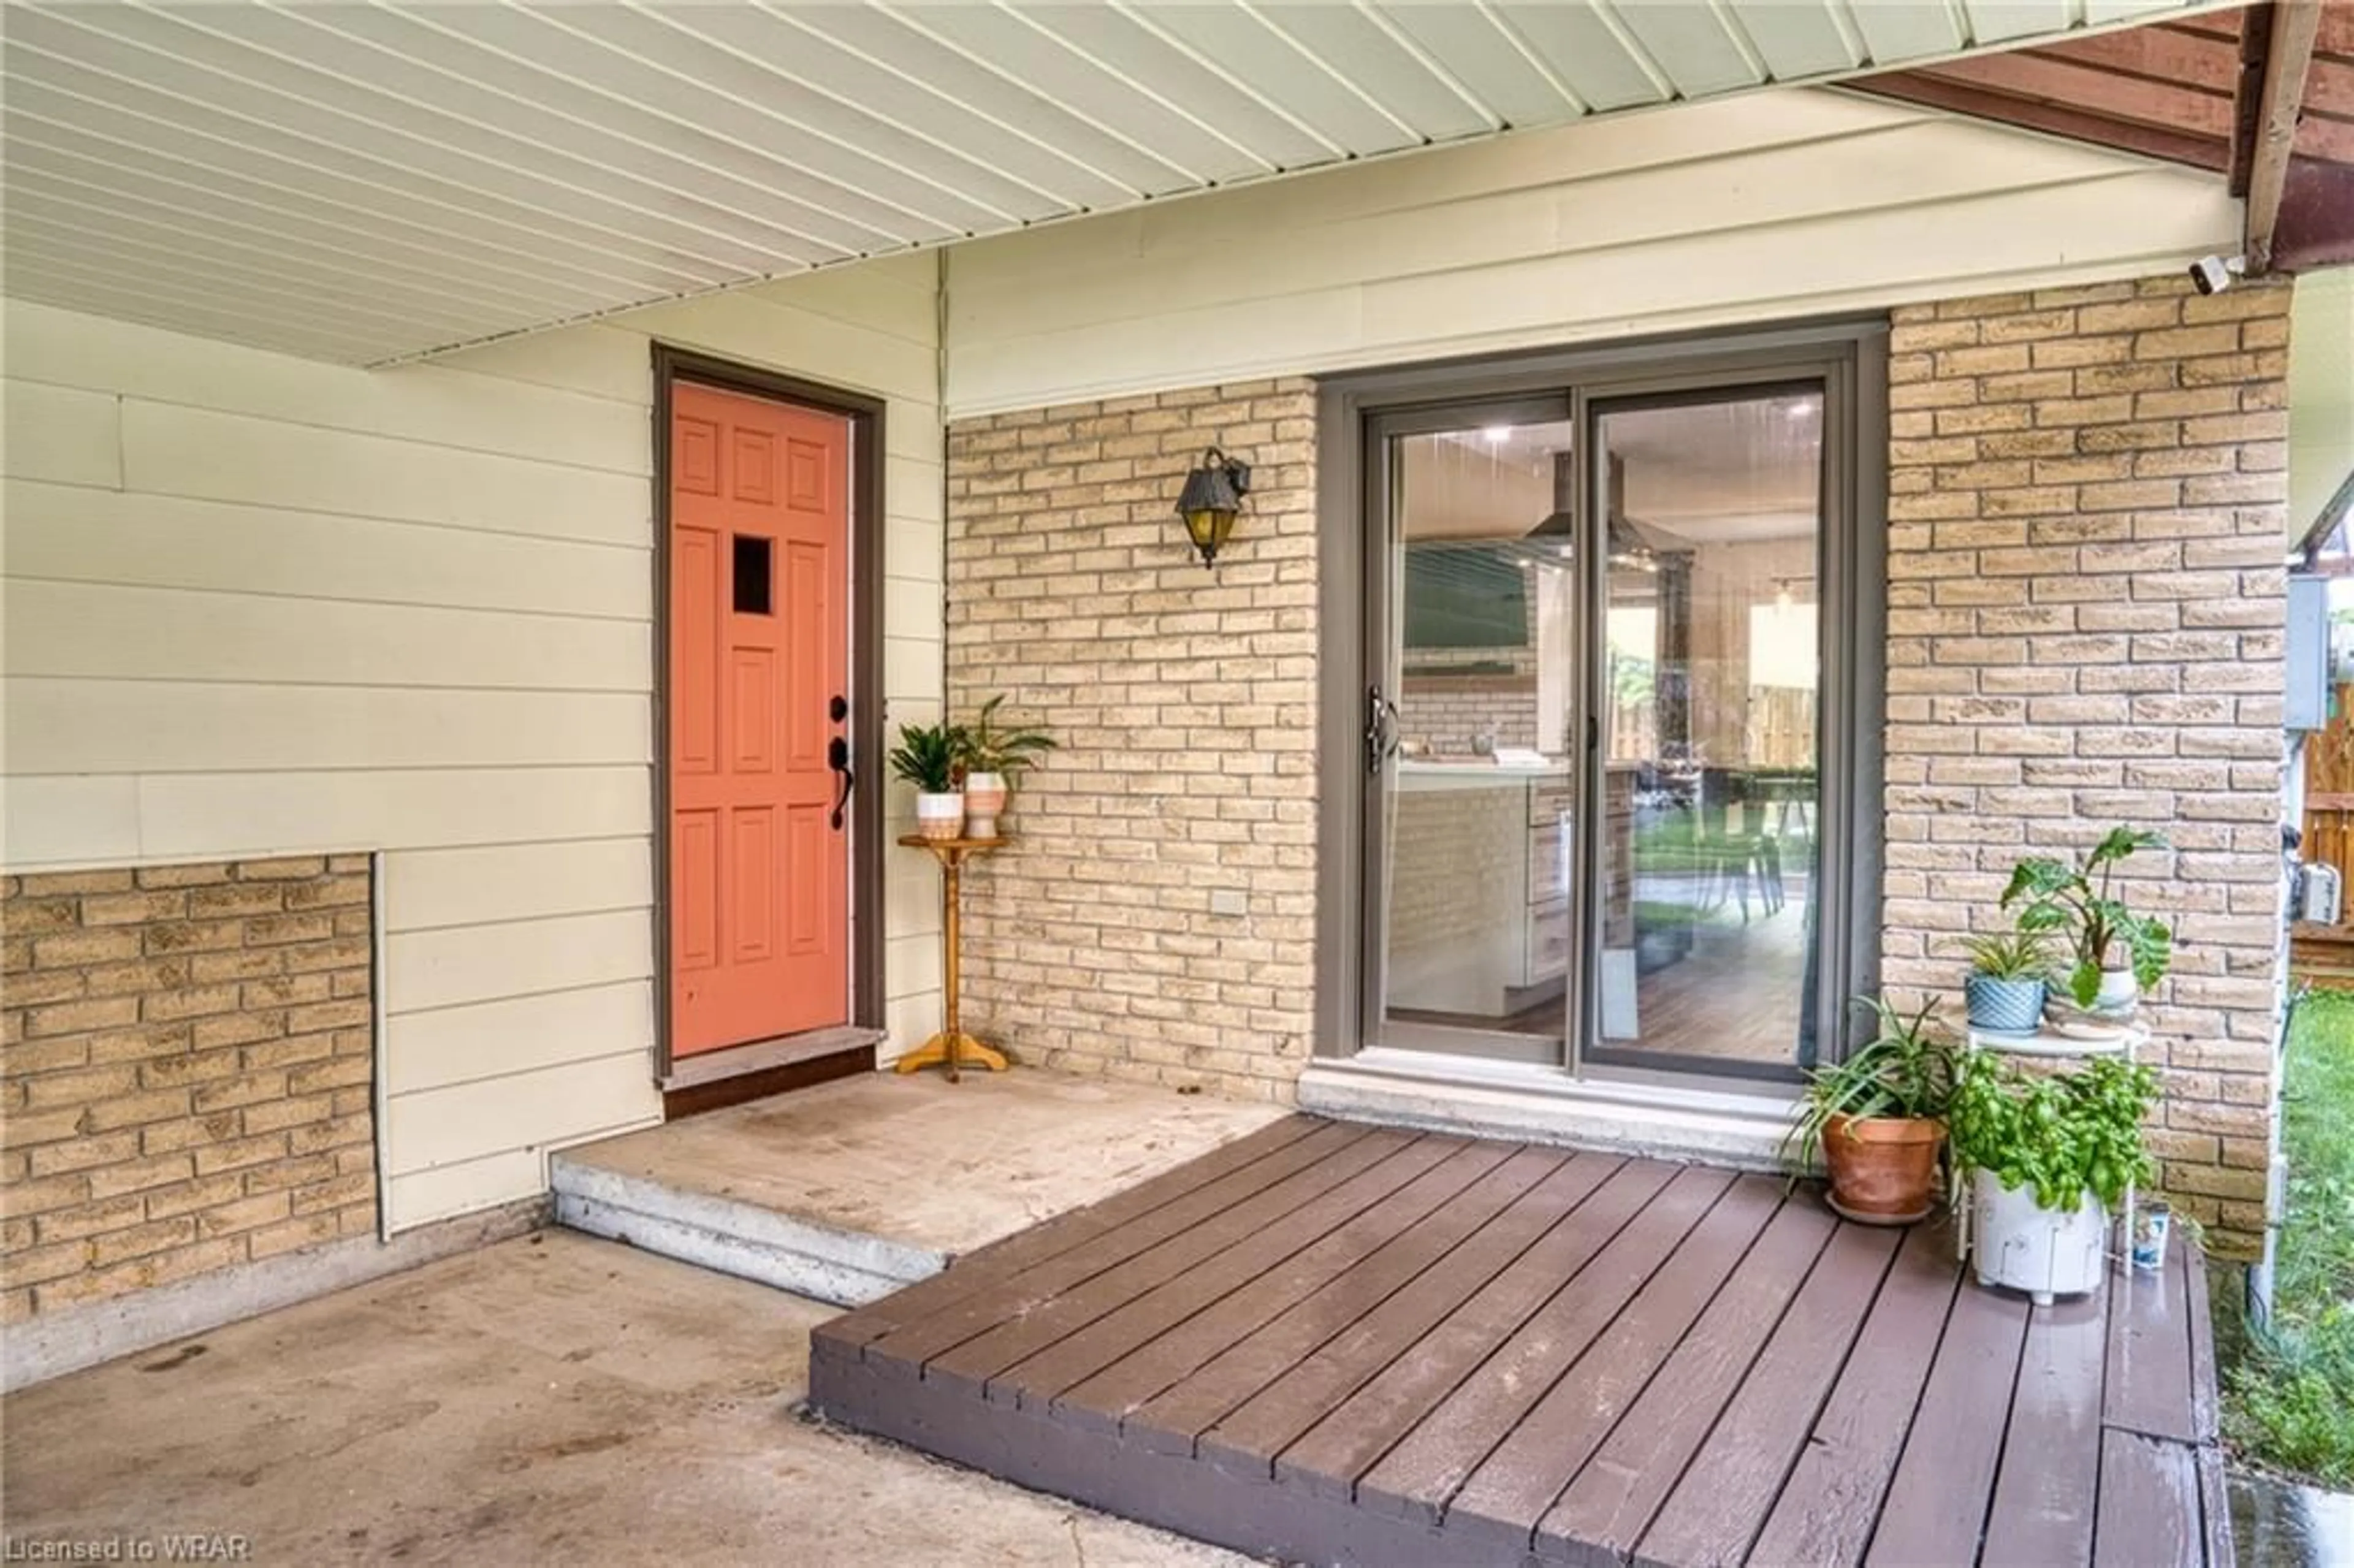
1145	1318
1172	1419
1421	1473
2050	1474
1936	1511
1829	1506
915	1342
1150	1368
1522	1477
2148	1388
1716	1509
1334	1453
1608	1502
1331	1343
1296	1396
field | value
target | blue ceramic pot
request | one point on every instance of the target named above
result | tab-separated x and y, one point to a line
2005	1006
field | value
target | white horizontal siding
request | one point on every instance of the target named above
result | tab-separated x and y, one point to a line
261	605
103	631
429	889
182	727
170	450
441	1047
523	958
69	533
530	1112
1772	207
64	434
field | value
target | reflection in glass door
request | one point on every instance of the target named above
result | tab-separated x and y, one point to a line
1472	855
1711	511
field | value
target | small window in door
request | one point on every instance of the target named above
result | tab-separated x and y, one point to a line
753	595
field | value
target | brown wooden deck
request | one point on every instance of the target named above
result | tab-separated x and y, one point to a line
1327	1342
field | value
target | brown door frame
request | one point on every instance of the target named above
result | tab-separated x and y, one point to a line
865	414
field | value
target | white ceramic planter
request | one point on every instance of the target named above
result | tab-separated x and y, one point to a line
2046	1253
984	800
2120	990
939	816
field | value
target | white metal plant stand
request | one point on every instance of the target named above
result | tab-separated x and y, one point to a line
2051	1045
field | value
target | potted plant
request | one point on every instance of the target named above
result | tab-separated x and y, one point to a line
2047	1156
2009	972
1874	1117
925	757
991	756
2119	954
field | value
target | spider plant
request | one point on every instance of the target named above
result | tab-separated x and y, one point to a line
2010	954
1905	1072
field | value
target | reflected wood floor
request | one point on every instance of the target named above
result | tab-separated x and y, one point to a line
1328	1342
1737	995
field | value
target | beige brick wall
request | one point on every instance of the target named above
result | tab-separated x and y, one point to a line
1185	703
2085	609
184	1073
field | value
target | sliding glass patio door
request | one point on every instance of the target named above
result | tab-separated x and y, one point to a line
1473	799
1707	678
1607	649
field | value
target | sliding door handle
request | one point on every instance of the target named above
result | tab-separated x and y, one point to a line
1381	729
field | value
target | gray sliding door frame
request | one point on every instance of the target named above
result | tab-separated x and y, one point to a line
1357	413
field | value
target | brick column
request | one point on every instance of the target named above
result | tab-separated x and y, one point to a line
2086	524
1185	703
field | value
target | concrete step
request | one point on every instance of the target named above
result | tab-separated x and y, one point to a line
852	1190
791	1252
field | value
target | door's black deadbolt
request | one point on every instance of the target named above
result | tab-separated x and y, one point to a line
838	709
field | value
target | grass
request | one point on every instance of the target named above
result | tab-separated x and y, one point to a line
2289	1402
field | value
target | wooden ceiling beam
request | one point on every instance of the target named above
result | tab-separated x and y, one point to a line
2161	53
2294	26
1934	91
2053	79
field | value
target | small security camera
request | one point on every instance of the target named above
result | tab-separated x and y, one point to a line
2213	274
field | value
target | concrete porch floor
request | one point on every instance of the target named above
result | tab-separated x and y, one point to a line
850	1191
551	1400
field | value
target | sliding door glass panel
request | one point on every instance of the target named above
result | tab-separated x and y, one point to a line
1476	796
1711	521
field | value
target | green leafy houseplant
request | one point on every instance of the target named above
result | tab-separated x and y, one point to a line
985	746
1904	1071
2062	1134
926	756
2054	897
2010	956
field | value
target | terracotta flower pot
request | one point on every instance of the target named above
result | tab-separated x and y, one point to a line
1884	1169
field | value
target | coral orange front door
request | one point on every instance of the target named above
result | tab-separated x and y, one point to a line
758	692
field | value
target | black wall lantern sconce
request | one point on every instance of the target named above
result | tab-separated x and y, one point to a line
1213	493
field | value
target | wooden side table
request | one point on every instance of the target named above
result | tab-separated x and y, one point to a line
952	1044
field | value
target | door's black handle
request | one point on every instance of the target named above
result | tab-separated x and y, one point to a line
837	757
